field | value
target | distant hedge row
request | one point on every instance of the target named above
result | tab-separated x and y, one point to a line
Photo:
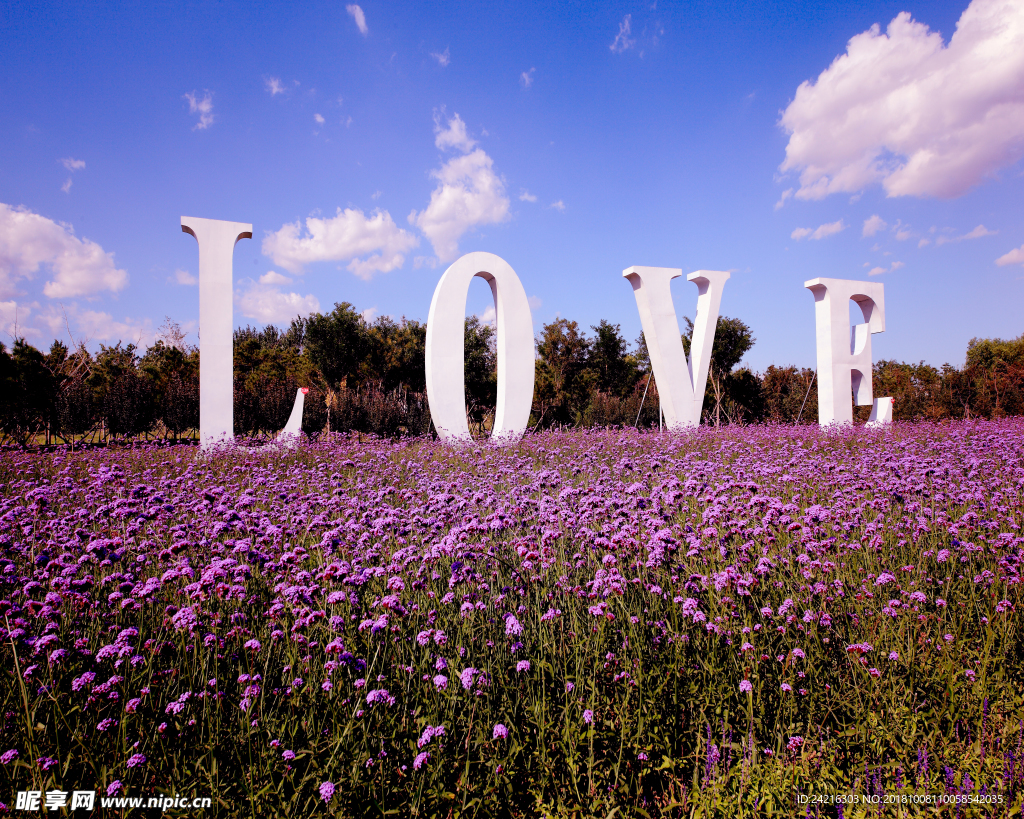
369	377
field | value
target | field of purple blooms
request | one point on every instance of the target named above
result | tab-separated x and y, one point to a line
668	624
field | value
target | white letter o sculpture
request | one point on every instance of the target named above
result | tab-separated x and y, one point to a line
446	360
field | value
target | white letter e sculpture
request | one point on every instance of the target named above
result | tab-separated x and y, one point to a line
844	352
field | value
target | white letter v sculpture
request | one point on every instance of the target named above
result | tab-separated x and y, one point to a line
681	383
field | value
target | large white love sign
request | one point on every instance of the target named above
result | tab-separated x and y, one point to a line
681	383
844	352
217	240
445	356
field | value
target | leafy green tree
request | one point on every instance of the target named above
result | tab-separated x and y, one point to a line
563	378
789	395
335	343
481	370
733	339
616	372
395	355
987	352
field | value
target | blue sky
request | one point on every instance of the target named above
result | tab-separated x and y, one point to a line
371	144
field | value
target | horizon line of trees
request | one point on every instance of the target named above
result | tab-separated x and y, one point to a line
370	377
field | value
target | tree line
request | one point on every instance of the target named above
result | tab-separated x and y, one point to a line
369	377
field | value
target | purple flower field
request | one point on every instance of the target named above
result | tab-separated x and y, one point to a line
669	624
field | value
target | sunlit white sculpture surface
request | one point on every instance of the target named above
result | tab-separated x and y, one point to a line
217	240
290	435
445	353
681	383
844	352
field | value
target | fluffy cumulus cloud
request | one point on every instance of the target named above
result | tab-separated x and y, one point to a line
906	110
78	267
452	135
1015	256
183	277
818	233
267	303
356	13
201	106
443	58
274	86
873	225
469	192
373	244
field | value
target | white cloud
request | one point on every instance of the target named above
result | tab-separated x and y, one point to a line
274	86
559	206
873	225
906	110
369	314
470	193
452	136
203	107
526	78
526	196
878	271
622	41
319	119
782	199
818	233
348	235
66	187
273	277
443	58
73	164
357	14
978	233
488	316
183	277
13	318
94	325
534	302
265	303
1015	256
903	234
924	242
79	267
